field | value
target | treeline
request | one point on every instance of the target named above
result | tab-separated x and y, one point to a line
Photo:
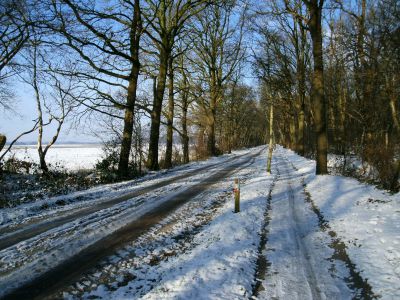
337	92
175	64
328	69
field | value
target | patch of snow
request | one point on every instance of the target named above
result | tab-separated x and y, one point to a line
28	259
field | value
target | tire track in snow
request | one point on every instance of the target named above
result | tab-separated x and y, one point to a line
262	262
301	247
297	252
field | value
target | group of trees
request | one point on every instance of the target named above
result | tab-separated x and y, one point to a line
328	70
331	70
173	63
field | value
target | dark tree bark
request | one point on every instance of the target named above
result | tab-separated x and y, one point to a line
317	91
170	115
211	146
301	81
126	143
185	138
152	160
185	106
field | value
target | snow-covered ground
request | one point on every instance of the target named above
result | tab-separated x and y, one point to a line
366	219
297	251
327	237
206	252
72	157
22	262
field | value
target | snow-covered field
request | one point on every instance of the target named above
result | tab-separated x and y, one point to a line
327	237
72	157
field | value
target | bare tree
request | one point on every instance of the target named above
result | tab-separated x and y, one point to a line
13	30
166	21
219	49
314	26
36	74
107	39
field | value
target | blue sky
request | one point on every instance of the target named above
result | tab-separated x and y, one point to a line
13	123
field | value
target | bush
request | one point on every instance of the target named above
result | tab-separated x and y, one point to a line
15	165
385	168
108	166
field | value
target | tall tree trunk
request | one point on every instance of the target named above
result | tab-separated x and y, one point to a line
152	160
211	147
185	143
300	44
123	164
231	125
271	138
342	120
292	133
317	92
184	87
185	137
301	122
41	153
126	143
170	116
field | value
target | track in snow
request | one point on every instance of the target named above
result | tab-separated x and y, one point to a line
301	258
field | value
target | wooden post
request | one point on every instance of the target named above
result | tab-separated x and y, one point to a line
236	191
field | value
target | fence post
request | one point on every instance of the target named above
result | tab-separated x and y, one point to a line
236	191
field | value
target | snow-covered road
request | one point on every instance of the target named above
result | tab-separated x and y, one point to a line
56	252
42	223
297	236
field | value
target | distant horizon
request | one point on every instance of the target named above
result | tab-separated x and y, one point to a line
67	142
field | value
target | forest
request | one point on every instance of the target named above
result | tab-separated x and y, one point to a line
164	82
